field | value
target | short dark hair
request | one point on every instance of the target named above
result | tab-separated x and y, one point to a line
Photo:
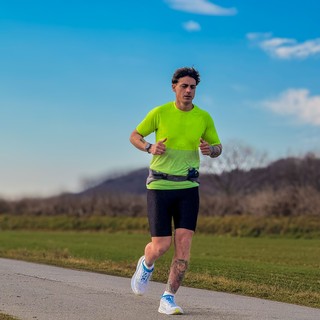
184	72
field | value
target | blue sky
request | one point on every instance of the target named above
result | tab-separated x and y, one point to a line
76	77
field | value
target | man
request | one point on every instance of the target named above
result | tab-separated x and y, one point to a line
181	128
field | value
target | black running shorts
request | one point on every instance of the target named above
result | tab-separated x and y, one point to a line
181	205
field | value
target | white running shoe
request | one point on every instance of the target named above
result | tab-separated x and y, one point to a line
168	306
140	279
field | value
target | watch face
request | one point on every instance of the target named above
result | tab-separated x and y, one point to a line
148	146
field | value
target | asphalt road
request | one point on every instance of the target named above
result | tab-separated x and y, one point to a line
32	291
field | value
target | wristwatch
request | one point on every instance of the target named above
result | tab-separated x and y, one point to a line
147	147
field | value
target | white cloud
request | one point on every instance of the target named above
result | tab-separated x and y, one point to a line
285	48
297	103
204	7
192	26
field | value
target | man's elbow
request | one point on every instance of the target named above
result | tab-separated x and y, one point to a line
135	136
131	137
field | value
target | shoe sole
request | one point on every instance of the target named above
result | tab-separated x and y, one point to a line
133	278
174	312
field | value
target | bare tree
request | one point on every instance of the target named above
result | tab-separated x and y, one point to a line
235	156
226	172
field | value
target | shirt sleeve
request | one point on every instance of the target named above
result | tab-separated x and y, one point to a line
210	135
149	123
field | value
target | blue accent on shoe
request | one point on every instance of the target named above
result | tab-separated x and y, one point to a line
169	298
145	267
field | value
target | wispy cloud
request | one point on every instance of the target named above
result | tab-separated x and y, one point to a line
203	7
192	26
285	48
297	103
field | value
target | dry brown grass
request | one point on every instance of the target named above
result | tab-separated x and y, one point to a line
288	201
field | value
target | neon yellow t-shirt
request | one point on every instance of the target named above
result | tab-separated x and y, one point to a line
183	130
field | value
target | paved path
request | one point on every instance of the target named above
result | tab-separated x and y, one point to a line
32	291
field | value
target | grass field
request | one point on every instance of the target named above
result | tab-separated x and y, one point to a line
282	269
239	225
7	317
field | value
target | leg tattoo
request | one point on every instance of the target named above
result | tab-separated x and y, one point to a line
177	271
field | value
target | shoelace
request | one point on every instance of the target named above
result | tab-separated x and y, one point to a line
170	300
145	276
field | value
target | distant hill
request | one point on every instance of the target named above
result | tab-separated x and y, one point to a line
286	187
132	182
292	172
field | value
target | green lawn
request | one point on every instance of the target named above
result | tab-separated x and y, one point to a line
282	269
7	317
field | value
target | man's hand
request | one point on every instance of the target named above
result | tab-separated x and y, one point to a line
159	147
205	147
209	150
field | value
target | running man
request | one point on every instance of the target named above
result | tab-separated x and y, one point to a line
181	129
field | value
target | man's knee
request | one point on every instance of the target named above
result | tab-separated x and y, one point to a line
161	246
183	240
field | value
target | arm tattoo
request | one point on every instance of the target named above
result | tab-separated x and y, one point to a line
142	140
215	151
177	271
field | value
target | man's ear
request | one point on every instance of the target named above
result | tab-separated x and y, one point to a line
174	87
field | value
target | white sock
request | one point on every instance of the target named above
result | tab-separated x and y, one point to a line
148	268
167	293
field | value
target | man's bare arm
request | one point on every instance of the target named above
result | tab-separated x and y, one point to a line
140	143
138	140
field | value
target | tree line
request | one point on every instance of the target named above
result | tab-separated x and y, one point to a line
238	183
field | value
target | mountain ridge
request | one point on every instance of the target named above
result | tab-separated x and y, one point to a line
293	172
